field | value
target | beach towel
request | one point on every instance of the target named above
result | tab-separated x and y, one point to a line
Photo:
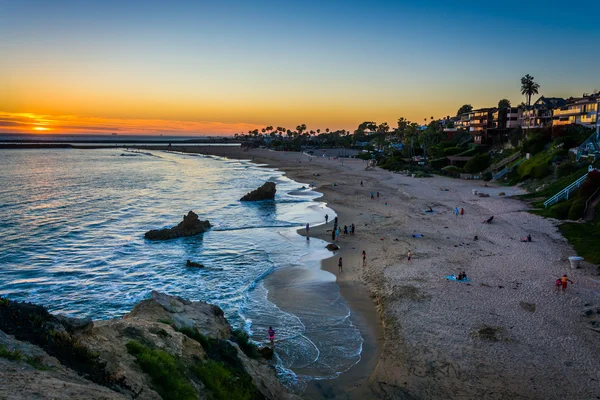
453	278
429	212
417	235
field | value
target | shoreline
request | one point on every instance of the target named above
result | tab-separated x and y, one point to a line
494	337
353	383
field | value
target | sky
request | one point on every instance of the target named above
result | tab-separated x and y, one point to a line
224	67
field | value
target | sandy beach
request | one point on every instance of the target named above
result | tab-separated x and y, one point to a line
506	334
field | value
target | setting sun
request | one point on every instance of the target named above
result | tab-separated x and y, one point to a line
40	128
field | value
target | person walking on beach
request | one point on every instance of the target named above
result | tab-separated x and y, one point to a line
462	212
345	229
335	221
337	234
364	254
352	229
340	265
564	281
408	256
456	211
333	234
361	183
326	218
372	195
377	195
271	335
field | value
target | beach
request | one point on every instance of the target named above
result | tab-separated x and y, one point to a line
508	333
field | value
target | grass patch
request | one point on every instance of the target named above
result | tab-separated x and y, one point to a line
225	383
34	324
168	377
243	340
584	238
197	336
13	355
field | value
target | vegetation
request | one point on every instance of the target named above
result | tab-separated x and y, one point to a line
167	373
13	355
504	103
478	163
224	383
243	340
529	87
464	109
34	324
584	238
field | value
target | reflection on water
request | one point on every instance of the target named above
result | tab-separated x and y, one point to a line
73	240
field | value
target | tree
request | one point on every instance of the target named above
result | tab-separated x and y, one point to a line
504	103
464	109
529	87
301	128
383	128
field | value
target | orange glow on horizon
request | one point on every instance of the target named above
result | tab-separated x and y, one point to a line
60	124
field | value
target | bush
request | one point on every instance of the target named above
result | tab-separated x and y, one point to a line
243	340
478	163
168	377
13	355
540	171
438	163
487	176
584	238
566	169
576	210
450	151
560	210
224	383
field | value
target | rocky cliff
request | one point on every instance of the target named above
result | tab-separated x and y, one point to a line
165	348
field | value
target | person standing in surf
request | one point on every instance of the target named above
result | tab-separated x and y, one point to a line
271	335
326	218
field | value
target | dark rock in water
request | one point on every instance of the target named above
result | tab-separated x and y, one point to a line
332	247
190	226
265	192
193	264
266	352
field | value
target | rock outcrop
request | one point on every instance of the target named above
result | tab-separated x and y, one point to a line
190	226
332	247
265	192
189	334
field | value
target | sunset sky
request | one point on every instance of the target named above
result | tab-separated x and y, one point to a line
222	67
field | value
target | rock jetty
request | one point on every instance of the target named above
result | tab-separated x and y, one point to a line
265	192
166	347
190	226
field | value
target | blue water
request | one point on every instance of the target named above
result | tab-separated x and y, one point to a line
72	239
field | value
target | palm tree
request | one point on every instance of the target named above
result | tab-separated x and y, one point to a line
529	87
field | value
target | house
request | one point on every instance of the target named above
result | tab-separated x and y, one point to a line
580	111
539	115
480	121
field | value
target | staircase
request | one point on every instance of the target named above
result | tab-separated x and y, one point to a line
590	146
564	194
506	170
503	162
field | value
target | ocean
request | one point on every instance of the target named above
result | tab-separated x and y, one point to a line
73	240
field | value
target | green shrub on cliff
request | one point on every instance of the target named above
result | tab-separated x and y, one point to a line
224	383
243	340
13	355
168	377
